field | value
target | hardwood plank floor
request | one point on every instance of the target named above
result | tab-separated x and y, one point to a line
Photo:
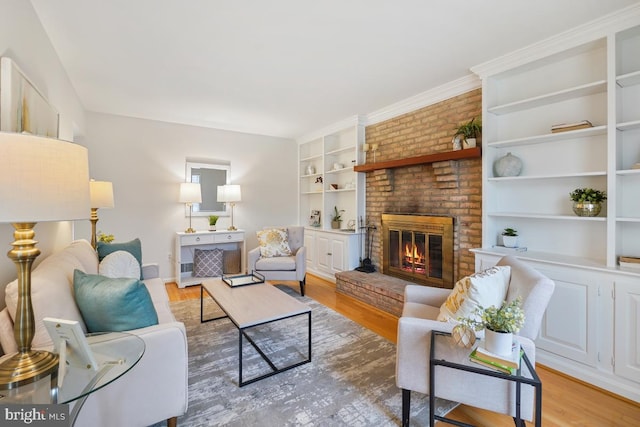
565	401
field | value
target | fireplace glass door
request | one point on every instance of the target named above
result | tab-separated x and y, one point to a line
416	253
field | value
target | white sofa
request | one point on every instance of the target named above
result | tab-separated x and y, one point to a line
156	388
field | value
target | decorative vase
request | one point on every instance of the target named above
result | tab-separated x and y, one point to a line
212	228
335	224
587	208
498	342
463	336
456	143
508	165
510	241
469	142
310	170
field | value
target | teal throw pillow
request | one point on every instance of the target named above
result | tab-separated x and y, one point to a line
113	305
134	247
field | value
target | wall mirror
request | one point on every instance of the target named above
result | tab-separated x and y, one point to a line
209	175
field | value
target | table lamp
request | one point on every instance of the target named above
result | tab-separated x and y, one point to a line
101	197
41	179
190	193
230	194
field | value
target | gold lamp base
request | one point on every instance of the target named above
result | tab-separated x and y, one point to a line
26	367
190	230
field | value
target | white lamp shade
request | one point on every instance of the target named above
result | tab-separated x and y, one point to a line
229	193
42	179
190	192
101	194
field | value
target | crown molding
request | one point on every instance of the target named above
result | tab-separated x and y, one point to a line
424	99
585	33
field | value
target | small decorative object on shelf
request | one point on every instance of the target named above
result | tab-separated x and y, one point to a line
213	219
629	262
336	220
318	183
314	218
587	201
507	165
470	132
334	186
463	335
499	325
510	237
565	127
310	170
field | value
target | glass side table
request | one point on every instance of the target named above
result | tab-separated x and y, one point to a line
444	352
115	352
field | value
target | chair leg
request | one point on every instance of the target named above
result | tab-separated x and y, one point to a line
406	406
303	282
172	422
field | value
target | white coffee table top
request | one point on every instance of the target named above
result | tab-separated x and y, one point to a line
252	305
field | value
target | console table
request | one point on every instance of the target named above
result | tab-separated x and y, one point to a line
187	243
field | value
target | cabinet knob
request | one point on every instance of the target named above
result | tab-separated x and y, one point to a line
329	253
229	237
197	239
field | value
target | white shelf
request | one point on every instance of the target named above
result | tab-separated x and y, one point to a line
628	125
341	190
599	86
628	219
313	175
628	172
348	169
546	216
551	137
553	176
629	79
309	158
340	151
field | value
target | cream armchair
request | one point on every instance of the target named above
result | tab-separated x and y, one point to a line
421	308
293	267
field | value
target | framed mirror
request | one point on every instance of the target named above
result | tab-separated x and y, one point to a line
209	175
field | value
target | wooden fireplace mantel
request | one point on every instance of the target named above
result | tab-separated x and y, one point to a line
467	153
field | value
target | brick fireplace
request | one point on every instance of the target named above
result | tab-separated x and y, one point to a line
449	188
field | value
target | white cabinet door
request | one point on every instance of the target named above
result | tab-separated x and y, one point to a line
310	245
323	261
569	327
338	251
627	328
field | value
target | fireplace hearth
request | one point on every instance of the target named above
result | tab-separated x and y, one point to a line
418	248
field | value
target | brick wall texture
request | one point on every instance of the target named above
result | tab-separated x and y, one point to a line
452	188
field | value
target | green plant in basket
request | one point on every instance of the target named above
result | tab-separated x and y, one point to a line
508	318
337	214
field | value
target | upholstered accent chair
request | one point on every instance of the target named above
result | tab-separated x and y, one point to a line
291	267
421	308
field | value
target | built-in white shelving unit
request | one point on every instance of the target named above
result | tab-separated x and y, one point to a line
327	180
591	74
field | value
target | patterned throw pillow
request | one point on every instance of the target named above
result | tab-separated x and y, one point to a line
207	262
274	242
485	288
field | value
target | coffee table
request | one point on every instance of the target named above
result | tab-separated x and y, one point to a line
251	306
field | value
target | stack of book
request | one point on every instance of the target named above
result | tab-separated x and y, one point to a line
629	262
505	364
565	127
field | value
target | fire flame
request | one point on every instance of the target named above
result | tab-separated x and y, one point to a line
415	256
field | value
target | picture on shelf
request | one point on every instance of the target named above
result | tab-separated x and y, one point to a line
314	219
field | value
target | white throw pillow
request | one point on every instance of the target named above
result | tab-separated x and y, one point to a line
274	242
119	264
485	289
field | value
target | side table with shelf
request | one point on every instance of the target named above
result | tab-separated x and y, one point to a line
444	352
187	243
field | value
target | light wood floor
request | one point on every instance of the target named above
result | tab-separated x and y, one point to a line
565	402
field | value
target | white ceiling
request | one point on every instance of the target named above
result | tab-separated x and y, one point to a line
285	67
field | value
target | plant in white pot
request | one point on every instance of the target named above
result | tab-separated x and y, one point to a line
213	219
499	325
510	237
470	131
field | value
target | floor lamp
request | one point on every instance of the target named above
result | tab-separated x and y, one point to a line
190	193
101	197
230	194
41	179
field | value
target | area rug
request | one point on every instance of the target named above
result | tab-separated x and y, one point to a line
350	380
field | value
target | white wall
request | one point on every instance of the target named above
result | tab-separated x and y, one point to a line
23	39
145	160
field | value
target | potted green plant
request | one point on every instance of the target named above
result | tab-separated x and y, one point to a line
587	201
470	131
213	219
499	324
510	238
336	218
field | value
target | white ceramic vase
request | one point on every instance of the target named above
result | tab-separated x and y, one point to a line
498	342
510	241
508	165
